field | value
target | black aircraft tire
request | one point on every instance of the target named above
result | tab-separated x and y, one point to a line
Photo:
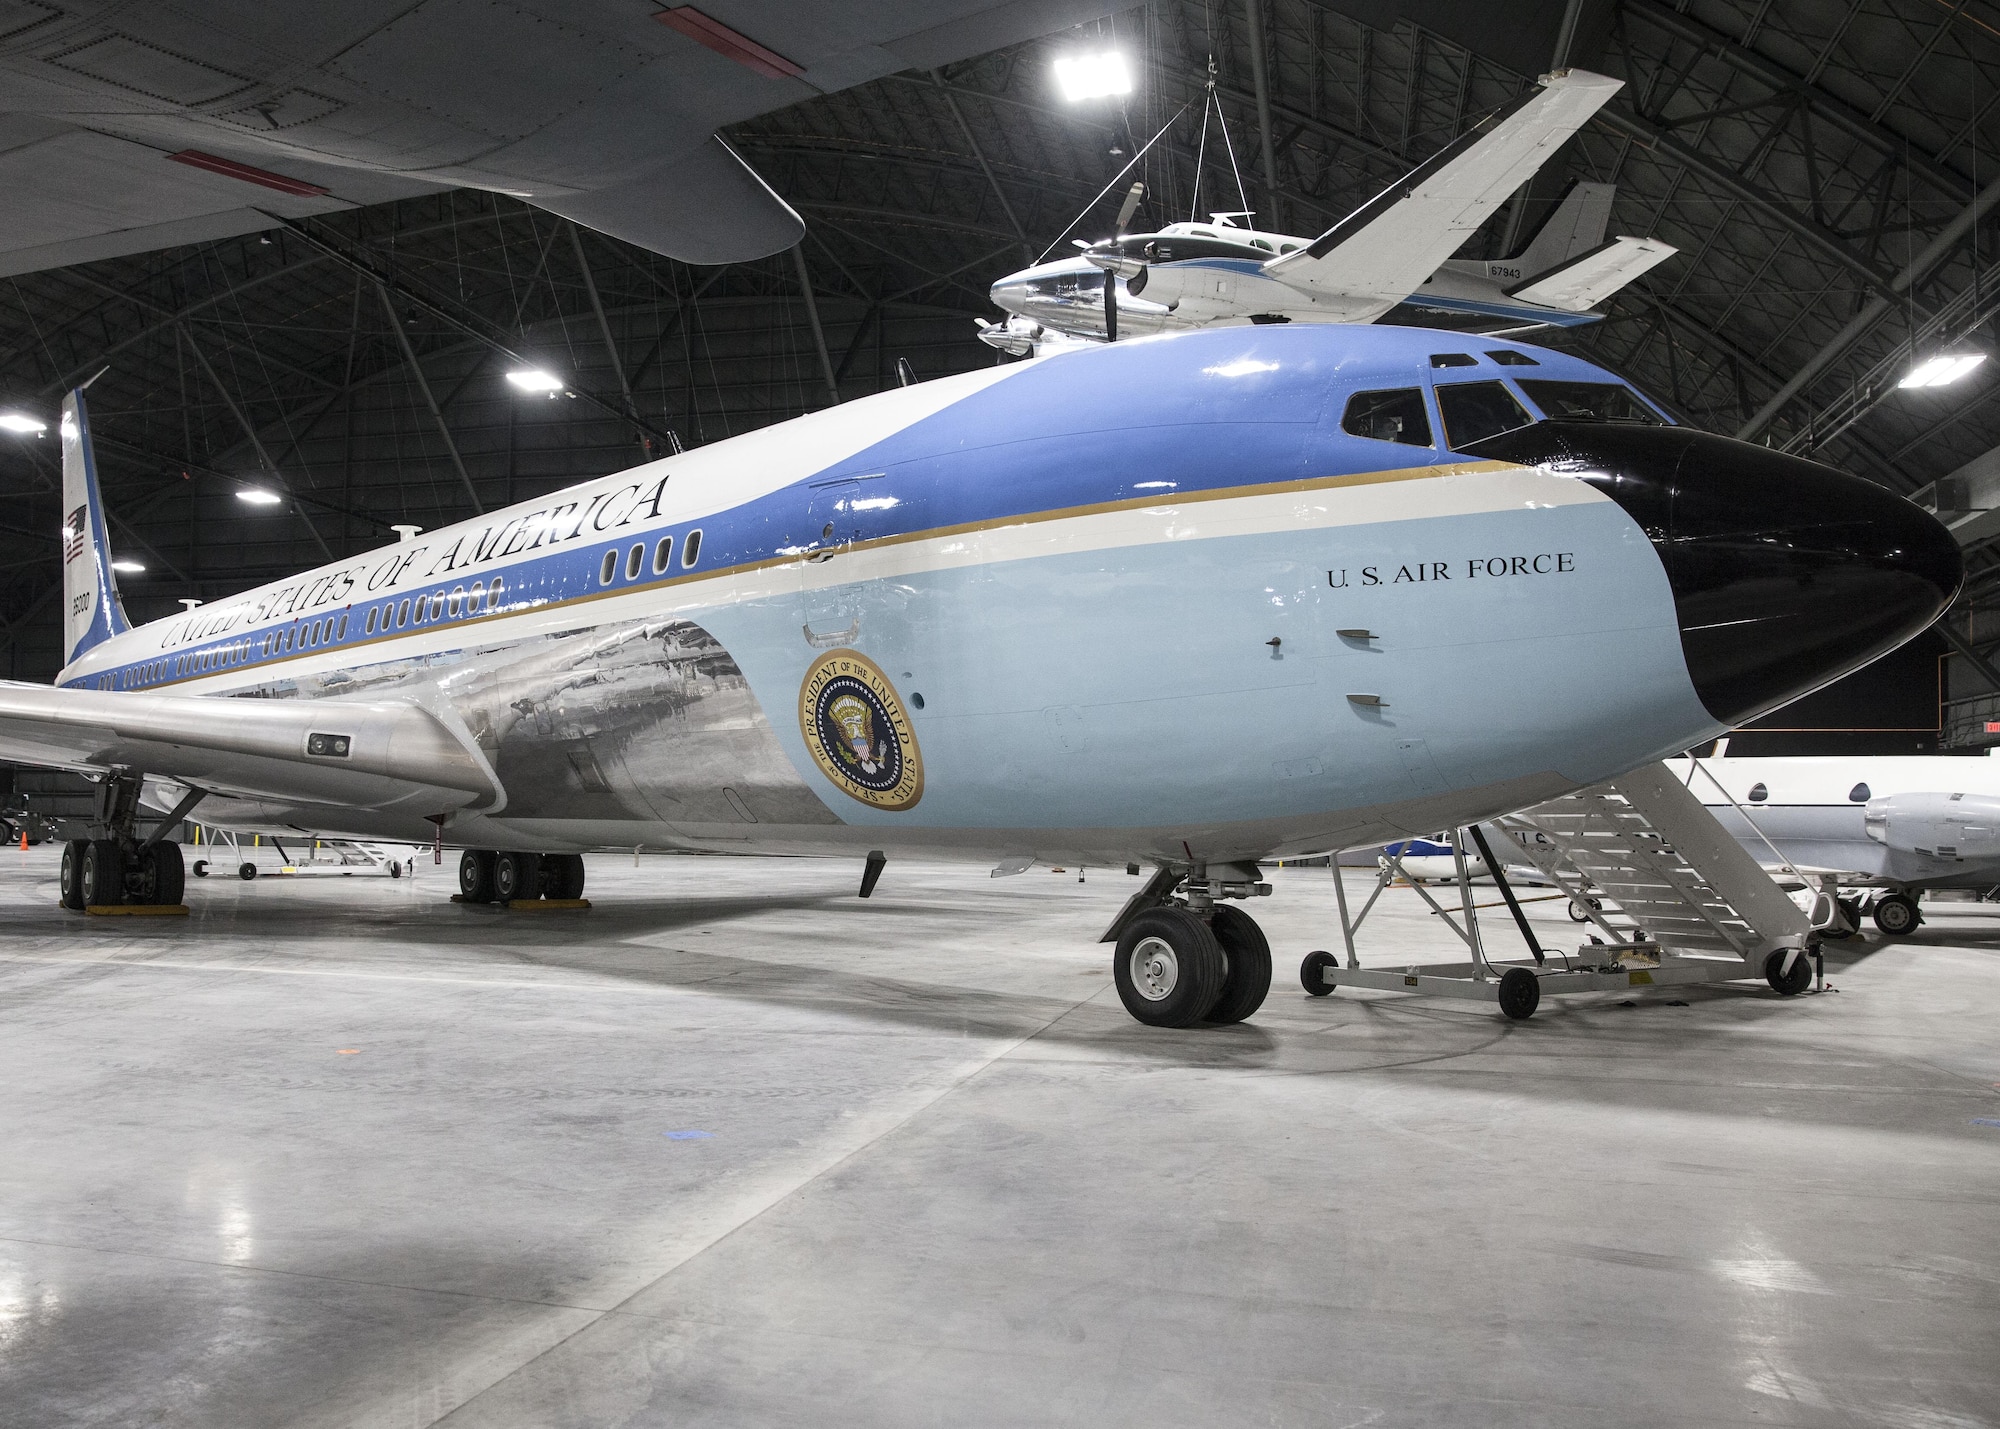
516	875
475	875
1896	915
165	874
103	873
562	875
1169	968
1520	994
1248	981
72	873
1312	973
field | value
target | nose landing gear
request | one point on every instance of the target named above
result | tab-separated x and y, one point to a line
1193	959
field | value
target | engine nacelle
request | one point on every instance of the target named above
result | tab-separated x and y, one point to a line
1944	828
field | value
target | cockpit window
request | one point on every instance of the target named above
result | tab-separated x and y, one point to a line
1589	402
1474	410
1396	416
1507	357
1260	243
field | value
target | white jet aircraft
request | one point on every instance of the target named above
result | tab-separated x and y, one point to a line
1891	825
1193	601
1395	250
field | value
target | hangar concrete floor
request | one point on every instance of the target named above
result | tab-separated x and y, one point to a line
735	1148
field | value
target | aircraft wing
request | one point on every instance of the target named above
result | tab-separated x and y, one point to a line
1385	249
125	129
1589	278
376	755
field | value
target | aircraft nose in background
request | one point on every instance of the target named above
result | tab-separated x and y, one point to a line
1786	574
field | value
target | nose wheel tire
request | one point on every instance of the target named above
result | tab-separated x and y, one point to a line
1520	994
1169	968
1312	973
1896	914
1248	980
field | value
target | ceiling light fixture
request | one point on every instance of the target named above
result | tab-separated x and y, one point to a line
535	379
1093	76
21	422
1942	370
130	568
257	496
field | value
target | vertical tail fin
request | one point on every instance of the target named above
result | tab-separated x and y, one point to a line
1575	226
92	612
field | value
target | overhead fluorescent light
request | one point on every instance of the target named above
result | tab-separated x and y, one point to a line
130	568
535	379
1942	370
21	422
257	496
1093	76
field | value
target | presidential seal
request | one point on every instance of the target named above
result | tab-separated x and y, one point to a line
854	725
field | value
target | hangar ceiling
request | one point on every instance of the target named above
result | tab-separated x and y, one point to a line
1825	169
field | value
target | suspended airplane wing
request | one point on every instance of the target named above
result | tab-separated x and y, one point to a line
1384	250
1590	278
125	129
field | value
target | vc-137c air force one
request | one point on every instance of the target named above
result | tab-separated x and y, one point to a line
1192	600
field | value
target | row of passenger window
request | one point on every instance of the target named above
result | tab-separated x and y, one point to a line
411	611
455	604
1472	411
663	558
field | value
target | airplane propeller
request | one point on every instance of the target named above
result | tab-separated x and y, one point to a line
1111	275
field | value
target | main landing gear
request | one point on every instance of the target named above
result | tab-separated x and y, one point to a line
114	867
1896	914
508	876
1188	958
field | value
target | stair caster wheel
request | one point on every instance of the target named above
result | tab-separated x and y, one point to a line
247	872
1896	914
1520	994
1312	974
199	868
1578	913
1792	982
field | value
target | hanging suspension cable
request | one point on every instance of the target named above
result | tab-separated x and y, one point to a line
1114	182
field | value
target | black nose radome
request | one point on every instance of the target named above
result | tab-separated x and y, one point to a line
1786	574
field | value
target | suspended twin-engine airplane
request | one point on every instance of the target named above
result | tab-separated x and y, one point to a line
1192	601
1394	251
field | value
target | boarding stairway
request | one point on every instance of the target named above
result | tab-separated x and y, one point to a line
1673	897
1645	844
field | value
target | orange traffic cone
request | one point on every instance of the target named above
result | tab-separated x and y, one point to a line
24	840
